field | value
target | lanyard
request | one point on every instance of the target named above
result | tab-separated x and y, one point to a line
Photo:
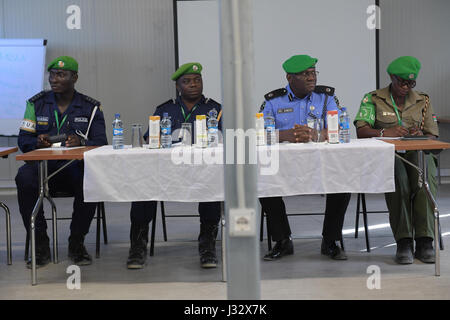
57	121
190	113
396	111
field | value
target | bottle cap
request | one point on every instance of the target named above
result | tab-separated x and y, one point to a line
332	112
117	115
201	117
154	118
259	115
343	109
165	115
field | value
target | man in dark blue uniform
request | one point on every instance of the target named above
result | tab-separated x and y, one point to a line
184	109
292	107
62	110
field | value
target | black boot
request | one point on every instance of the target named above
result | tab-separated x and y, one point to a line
78	252
138	250
405	250
42	251
280	249
424	250
207	245
329	248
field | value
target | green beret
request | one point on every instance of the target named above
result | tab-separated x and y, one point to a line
64	63
405	67
299	63
187	68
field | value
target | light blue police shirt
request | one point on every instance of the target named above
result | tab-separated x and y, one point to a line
289	110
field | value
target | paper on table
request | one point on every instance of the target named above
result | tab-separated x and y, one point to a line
387	138
60	148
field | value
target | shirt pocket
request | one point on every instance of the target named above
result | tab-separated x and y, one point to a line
80	122
386	119
284	119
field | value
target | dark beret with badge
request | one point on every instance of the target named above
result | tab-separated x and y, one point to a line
63	63
187	68
405	67
299	63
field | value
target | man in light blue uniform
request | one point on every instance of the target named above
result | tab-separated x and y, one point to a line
291	107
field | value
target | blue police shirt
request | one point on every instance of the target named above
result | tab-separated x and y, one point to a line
78	116
174	107
289	110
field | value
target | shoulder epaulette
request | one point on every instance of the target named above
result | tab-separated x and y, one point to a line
91	100
208	100
168	101
37	96
324	89
275	93
423	94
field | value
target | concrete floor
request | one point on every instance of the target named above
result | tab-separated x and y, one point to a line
174	272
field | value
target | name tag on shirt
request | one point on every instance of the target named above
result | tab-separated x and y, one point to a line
42	119
285	110
81	119
385	113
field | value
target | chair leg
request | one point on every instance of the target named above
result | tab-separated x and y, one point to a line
152	237
357	215
163	220
366	229
97	235
103	215
8	232
441	243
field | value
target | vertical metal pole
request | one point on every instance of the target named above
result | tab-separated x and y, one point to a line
54	215
242	263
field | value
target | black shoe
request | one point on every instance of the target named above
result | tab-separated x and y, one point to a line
424	250
138	250
207	245
77	251
330	249
405	250
282	248
208	259
42	251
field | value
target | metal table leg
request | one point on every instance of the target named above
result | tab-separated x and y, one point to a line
42	178
8	232
424	179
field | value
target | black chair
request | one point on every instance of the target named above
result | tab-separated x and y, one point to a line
100	217
8	232
361	202
269	240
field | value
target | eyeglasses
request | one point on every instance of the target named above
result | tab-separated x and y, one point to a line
410	83
306	74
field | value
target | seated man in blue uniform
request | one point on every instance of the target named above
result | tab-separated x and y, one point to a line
62	110
291	107
184	109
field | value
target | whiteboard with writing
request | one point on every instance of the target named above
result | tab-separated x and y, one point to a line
22	67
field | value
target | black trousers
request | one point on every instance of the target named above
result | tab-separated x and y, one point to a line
143	212
70	179
278	223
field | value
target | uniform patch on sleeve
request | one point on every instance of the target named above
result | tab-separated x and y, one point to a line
434	118
29	119
366	111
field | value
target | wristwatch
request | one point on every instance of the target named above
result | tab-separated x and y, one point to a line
381	132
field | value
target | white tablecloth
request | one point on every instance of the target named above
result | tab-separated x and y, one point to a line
364	165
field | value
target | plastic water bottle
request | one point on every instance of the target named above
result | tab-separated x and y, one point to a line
344	126
271	135
166	131
213	129
117	140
